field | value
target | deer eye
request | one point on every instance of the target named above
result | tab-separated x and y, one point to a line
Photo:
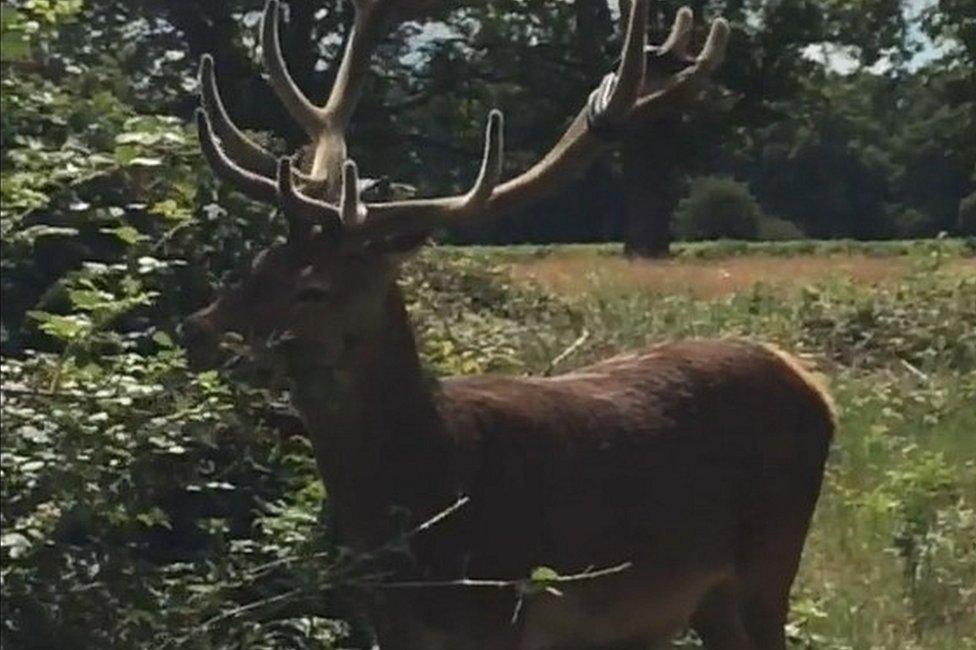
313	294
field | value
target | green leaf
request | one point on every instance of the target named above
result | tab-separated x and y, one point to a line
154	517
90	299
14	41
41	230
138	137
170	209
150	264
544	574
14	46
16	544
162	339
64	328
127	234
142	161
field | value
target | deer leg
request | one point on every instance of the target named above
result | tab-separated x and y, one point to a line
768	574
718	621
766	609
765	619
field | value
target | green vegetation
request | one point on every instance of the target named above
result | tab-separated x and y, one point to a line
718	208
143	504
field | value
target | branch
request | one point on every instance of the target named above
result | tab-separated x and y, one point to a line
526	585
568	352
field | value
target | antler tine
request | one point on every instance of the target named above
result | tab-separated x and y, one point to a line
368	28
351	209
680	34
713	52
302	211
615	106
491	161
253	185
689	82
239	147
310	117
630	73
417	216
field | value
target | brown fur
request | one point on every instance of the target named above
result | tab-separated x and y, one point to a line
697	462
700	462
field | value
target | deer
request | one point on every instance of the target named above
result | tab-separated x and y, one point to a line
695	464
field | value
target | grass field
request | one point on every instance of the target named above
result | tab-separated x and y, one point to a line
891	560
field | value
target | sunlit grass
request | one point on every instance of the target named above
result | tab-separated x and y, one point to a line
891	558
710	278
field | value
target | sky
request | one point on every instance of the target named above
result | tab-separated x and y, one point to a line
843	61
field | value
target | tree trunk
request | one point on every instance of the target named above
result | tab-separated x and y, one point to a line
651	189
593	27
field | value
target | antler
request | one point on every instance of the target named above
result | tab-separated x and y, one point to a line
327	195
624	100
253	169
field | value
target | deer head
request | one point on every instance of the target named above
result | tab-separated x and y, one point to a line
327	284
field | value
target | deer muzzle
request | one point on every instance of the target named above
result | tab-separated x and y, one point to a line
201	340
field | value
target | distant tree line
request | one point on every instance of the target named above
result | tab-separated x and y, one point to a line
887	149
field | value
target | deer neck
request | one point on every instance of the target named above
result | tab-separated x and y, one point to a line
377	435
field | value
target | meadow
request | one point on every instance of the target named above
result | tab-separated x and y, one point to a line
891	559
192	515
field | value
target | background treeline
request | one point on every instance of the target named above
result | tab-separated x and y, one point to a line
887	149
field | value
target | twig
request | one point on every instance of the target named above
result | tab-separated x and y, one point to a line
523	584
915	371
568	352
232	613
378	581
243	609
262	569
440	516
523	587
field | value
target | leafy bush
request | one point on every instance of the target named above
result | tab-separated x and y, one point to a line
717	208
911	222
775	229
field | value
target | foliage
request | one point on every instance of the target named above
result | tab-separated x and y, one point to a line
775	229
718	208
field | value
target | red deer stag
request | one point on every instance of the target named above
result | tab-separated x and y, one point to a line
699	462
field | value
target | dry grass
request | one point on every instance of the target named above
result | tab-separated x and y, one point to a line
578	272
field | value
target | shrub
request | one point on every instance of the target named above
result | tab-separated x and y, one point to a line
775	229
718	208
911	223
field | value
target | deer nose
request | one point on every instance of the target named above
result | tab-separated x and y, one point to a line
200	341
